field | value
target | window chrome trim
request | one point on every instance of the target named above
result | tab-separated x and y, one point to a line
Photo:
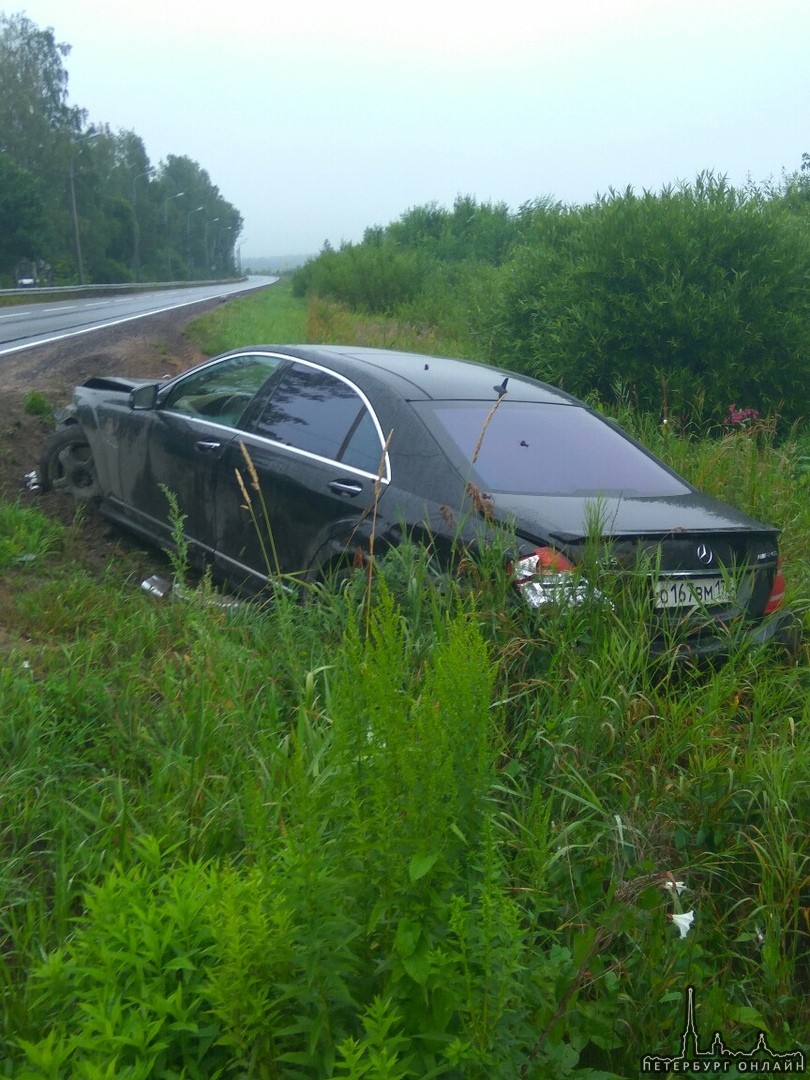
166	386
244	435
386	479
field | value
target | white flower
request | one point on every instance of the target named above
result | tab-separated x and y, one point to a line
683	922
673	886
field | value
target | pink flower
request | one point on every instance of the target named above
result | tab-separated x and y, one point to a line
739	417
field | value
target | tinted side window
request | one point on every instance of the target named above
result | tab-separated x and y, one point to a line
222	390
363	449
312	410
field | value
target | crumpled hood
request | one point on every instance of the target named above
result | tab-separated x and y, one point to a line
117	383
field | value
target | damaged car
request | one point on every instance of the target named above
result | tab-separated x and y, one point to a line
300	460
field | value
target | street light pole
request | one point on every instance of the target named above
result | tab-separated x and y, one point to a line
226	251
205	244
166	206
136	233
166	202
76	236
73	211
196	210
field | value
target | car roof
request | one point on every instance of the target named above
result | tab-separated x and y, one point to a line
417	376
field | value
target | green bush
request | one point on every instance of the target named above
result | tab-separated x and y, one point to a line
409	262
368	277
126	996
688	301
692	300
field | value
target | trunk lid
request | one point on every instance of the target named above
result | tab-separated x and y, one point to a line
698	553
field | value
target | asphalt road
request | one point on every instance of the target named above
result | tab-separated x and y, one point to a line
26	326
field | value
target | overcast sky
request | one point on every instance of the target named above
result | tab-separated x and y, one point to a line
316	119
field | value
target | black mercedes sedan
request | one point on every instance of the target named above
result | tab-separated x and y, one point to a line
300	460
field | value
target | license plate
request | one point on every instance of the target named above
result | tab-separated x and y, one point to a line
690	592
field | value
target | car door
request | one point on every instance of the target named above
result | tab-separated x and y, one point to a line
302	478
176	449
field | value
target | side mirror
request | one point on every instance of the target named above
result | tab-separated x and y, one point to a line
144	397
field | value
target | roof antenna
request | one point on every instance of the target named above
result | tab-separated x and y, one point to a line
501	390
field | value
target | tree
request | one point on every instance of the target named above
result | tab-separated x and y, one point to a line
196	220
22	219
37	124
33	89
85	199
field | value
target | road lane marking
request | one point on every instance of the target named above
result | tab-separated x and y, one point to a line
103	326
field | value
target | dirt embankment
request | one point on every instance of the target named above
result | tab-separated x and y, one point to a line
152	347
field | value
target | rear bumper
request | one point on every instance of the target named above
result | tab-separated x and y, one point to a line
782	630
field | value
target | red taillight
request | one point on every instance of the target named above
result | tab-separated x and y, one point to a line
543	577
777	590
542	561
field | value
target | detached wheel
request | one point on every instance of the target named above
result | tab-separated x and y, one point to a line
67	464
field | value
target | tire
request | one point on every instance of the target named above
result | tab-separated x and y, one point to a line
67	464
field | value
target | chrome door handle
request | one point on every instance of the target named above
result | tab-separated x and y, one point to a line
346	487
207	447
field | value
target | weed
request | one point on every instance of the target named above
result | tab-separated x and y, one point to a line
26	536
36	404
260	520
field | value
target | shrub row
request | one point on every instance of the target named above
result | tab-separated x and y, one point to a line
690	300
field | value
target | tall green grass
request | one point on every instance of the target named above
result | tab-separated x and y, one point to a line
270	316
398	831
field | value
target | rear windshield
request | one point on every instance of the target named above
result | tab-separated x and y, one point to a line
534	448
